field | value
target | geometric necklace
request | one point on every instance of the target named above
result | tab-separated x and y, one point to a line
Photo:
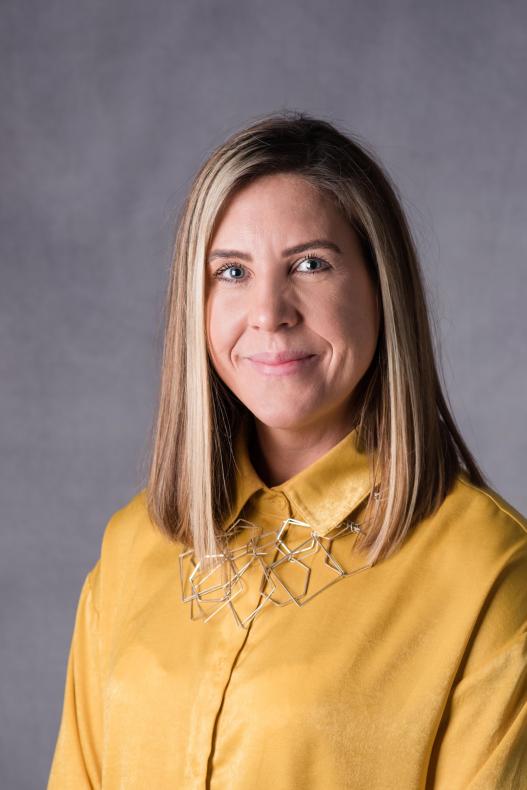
295	570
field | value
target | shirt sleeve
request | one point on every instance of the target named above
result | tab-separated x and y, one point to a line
76	763
482	740
484	743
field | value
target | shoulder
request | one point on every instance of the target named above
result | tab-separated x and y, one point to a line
473	549
130	533
124	527
481	538
128	537
482	563
494	505
480	523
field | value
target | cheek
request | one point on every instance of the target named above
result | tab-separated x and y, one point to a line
221	326
349	322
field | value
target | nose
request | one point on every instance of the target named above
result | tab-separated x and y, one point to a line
270	306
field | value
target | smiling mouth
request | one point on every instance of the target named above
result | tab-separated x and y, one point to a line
278	357
272	366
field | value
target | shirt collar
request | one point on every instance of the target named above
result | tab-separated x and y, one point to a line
323	494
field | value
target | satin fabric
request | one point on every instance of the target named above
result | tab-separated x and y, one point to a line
407	675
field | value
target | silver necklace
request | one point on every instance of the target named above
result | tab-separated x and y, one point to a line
273	551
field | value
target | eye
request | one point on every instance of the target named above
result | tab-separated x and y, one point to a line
312	259
229	267
234	272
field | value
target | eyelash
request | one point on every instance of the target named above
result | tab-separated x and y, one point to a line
306	257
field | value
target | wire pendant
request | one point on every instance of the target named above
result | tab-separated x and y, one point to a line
217	581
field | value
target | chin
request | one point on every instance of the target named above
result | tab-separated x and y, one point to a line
281	419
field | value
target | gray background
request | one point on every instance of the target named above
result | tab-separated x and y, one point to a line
107	109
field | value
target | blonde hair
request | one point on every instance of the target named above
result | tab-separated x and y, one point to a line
403	421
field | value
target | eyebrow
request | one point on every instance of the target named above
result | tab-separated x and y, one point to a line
318	243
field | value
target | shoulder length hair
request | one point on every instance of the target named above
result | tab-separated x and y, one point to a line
403	421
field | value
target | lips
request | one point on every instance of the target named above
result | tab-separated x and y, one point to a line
278	357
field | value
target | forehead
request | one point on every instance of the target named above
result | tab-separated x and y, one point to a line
283	202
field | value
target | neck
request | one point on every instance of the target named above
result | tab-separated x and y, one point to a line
278	454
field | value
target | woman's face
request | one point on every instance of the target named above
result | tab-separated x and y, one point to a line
286	281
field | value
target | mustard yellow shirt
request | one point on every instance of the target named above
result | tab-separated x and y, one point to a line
408	674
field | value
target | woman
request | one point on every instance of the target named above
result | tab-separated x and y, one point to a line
316	588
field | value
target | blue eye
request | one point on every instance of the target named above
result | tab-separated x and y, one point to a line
312	259
320	265
229	267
